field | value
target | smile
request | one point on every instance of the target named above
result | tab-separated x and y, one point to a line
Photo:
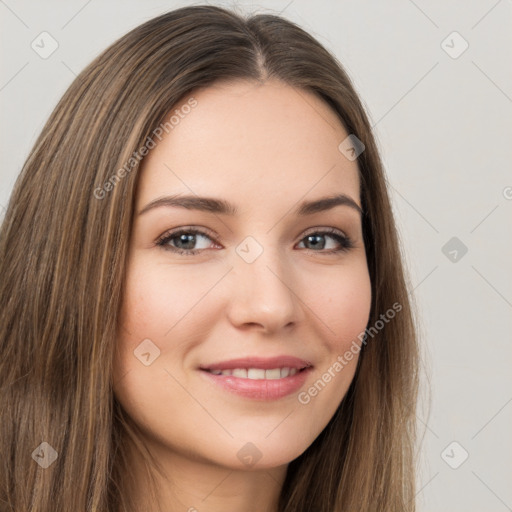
256	378
258	373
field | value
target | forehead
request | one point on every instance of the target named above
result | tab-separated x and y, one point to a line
245	140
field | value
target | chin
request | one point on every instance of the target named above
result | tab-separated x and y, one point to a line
261	453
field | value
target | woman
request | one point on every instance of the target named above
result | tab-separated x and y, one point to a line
270	362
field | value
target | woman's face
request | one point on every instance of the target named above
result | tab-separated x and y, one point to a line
275	294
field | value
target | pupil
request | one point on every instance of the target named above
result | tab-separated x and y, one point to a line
310	237
191	239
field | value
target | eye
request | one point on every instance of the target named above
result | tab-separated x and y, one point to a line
185	239
316	239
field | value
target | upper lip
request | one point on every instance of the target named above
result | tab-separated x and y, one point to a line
265	363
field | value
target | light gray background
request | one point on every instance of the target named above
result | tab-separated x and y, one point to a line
444	128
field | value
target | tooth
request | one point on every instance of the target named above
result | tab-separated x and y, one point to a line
275	373
255	373
258	373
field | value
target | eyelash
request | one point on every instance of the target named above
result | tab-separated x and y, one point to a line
163	242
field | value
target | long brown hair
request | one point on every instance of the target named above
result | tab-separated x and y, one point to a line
63	248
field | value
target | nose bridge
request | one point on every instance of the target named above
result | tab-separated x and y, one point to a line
262	285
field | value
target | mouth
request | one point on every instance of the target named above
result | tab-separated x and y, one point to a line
259	373
259	378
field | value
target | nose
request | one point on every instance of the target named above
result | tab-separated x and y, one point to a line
262	294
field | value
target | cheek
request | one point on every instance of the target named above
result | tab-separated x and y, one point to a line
158	296
160	304
345	306
344	309
147	313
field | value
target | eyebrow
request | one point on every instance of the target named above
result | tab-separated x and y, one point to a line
220	206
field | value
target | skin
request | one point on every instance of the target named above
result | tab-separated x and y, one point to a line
265	148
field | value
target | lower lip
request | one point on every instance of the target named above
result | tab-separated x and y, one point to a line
260	389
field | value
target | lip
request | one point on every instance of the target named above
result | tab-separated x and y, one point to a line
265	363
260	389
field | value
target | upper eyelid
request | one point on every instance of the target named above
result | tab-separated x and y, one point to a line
171	233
